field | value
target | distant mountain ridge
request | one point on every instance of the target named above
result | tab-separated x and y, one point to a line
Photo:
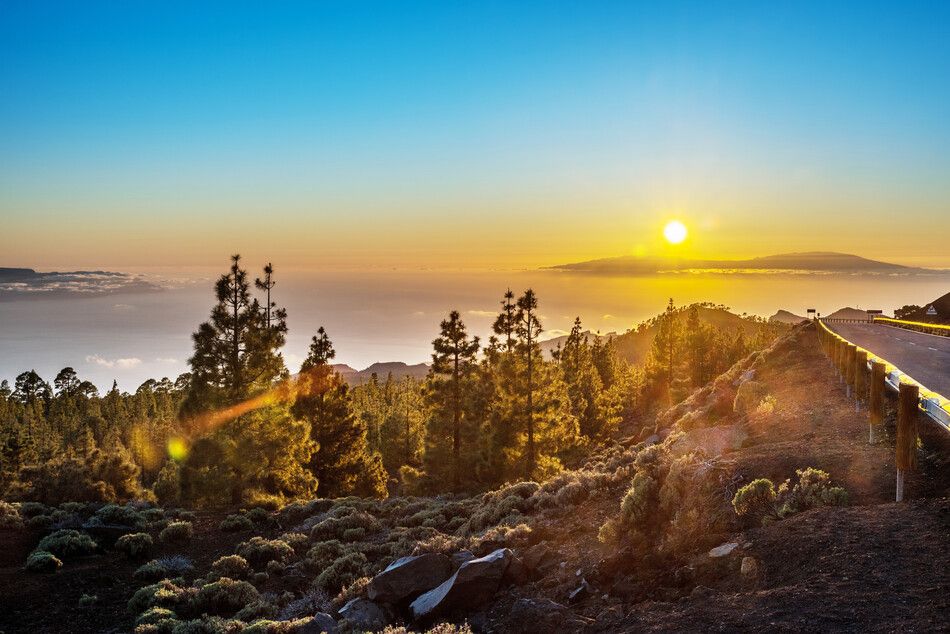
811	262
786	317
26	283
381	369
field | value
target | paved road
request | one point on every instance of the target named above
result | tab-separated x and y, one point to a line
926	358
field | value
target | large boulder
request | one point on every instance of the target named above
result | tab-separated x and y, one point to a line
407	578
713	441
364	616
473	584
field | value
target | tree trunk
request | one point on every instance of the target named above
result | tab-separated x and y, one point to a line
456	431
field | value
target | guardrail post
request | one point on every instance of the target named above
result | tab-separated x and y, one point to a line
851	351
906	444
876	404
836	356
860	378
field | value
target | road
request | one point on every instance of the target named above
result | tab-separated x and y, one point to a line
926	358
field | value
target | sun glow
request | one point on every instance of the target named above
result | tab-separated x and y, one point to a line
675	232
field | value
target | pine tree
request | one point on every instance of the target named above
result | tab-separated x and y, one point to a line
584	385
699	347
342	461
235	351
664	362
453	360
528	327
505	323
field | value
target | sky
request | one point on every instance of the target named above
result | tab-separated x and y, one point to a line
469	134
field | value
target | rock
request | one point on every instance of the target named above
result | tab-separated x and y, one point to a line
617	563
461	557
539	560
517	572
652	440
723	550
749	567
473	584
748	397
364	616
542	616
407	578
580	592
320	623
713	441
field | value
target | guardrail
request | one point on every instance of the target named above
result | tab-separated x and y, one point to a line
917	326
867	376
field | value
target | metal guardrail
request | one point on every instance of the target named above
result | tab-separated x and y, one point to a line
916	326
934	406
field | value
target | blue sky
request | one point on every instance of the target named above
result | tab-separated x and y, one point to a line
127	127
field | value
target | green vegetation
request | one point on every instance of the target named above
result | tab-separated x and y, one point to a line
176	532
760	501
135	545
68	543
42	561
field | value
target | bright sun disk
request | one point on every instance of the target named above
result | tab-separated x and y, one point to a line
674	232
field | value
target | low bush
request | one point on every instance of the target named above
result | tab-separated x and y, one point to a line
324	553
164	594
68	543
179	531
120	515
255	611
760	502
9	516
163	568
236	522
224	597
32	509
88	599
154	615
135	545
258	551
297	541
343	571
336	527
232	566
42	561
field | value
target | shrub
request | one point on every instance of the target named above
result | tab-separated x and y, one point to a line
40	522
164	594
275	568
179	531
571	493
42	561
224	597
164	568
761	502
232	566
756	501
120	515
235	523
33	509
134	545
813	489
256	498
324	553
335	527
154	615
88	599
9	516
342	571
258	551
68	543
749	396
297	541
255	611
266	626
98	476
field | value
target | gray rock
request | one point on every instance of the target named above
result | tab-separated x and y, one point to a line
473	584
407	578
517	572
539	559
461	557
723	550
364	616
580	592
321	623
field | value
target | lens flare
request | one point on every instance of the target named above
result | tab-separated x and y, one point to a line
177	449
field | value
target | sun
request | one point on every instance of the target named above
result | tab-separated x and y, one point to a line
675	232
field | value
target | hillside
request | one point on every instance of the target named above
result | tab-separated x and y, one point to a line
848	313
694	565
398	369
941	305
814	262
634	345
786	317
